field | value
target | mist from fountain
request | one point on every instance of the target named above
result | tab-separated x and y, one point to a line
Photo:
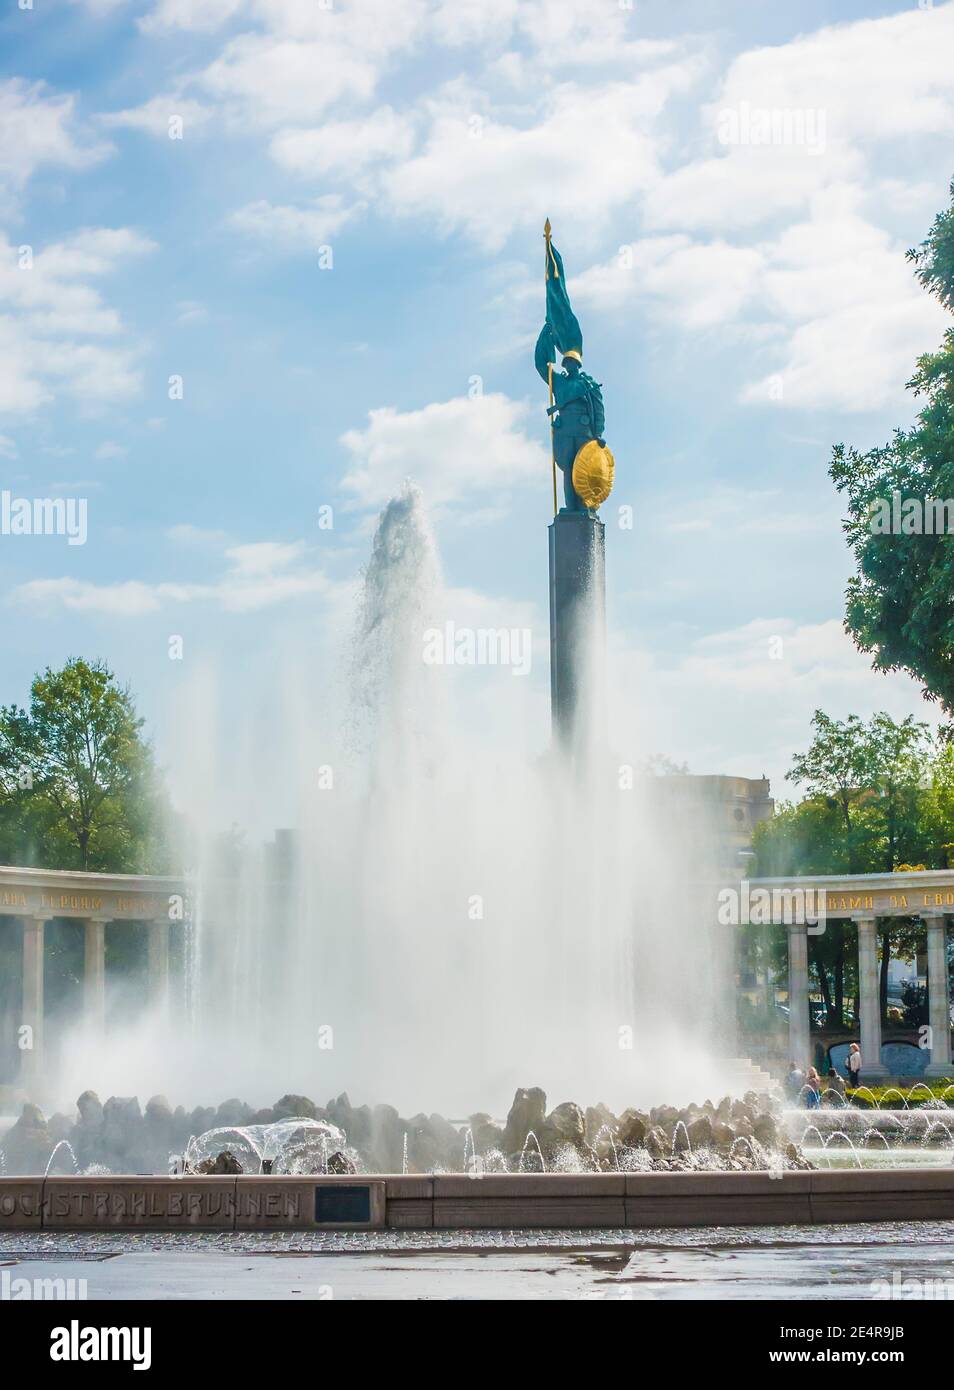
461	922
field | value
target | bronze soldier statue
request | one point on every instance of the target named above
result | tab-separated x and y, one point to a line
576	400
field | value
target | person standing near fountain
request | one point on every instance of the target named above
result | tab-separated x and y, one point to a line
854	1066
812	1089
836	1083
794	1081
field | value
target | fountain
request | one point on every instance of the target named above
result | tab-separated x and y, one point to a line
297	1145
456	918
908	1134
461	911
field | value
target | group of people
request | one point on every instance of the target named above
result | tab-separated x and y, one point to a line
807	1087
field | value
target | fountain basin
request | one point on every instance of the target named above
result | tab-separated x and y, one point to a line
501	1201
842	1136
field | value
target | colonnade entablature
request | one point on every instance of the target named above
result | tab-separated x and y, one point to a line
34	897
865	899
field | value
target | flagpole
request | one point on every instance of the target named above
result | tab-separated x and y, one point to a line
546	236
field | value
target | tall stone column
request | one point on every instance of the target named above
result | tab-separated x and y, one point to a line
869	997
577	621
159	963
799	1020
32	1057
726	1011
939	998
94	974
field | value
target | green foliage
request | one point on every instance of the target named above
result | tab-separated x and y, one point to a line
900	604
921	1093
879	794
78	786
934	258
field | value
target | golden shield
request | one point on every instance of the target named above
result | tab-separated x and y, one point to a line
593	470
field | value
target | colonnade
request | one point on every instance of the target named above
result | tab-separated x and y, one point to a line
869	995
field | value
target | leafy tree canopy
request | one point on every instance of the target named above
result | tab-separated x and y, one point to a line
879	794
78	785
900	603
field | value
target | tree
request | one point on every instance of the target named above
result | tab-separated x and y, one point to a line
878	796
939	809
900	604
804	837
77	780
839	765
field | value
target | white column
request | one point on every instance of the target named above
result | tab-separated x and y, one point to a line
32	1055
799	1022
723	1002
159	963
939	998
94	975
869	998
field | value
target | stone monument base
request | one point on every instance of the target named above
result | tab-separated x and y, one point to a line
497	1201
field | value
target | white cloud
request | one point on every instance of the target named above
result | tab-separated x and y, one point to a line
697	284
741	512
856	319
582	148
199	16
344	146
56	331
109	449
127	599
191	311
156	115
299	60
185	533
39	129
100	7
452	450
870	83
586	153
309	226
836	318
267	81
258	576
725	704
263	557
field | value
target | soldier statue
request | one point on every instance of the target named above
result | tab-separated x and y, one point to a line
576	400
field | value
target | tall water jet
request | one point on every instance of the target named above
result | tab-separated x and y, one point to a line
452	921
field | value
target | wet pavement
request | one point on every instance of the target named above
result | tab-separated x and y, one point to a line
788	1263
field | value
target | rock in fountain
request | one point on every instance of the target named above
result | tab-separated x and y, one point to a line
340	1138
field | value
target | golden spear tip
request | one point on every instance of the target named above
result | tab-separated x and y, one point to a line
546	229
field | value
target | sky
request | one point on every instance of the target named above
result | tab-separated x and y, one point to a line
264	259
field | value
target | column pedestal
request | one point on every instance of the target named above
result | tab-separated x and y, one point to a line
799	1019
869	997
939	998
